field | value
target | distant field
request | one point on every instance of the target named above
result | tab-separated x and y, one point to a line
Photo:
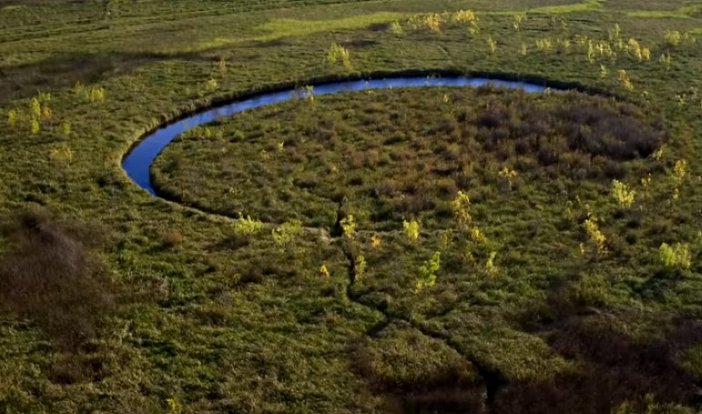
399	251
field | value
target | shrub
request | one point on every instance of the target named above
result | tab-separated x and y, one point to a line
672	38
544	45
634	49
625	80
92	94
396	28
595	234
337	53
35	127
96	94
324	271
61	154
623	194
172	238
360	266
12	117
246	226
411	229
433	22
211	85
490	265
461	209
604	72
66	129
677	255
477	236
287	232
427	272
348	227
508	175
51	276
680	171
464	16
35	108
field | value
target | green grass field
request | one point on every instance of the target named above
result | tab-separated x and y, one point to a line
399	251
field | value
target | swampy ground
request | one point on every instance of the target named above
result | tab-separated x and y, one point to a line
403	251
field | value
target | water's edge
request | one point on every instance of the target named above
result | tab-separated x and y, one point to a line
138	161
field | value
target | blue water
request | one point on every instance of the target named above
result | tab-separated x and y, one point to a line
138	162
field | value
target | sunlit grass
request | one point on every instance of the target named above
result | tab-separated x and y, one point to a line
284	28
684	12
275	29
584	6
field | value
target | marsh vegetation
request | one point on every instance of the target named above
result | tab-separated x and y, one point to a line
401	251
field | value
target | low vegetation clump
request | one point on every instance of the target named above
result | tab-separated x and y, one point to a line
50	275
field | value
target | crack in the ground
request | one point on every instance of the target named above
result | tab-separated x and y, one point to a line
492	379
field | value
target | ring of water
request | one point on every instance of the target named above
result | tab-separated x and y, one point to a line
138	161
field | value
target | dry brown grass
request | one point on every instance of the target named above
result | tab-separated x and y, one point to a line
51	276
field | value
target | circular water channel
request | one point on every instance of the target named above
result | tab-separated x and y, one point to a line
138	161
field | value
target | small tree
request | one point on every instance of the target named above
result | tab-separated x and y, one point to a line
174	406
35	127
678	255
595	234
477	236
673	38
35	108
411	229
12	118
427	272
490	265
96	94
604	72
461	209
508	175
464	16
623	194
679	174
337	53
517	21
625	80
360	267
433	22
396	28
348	227
680	171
